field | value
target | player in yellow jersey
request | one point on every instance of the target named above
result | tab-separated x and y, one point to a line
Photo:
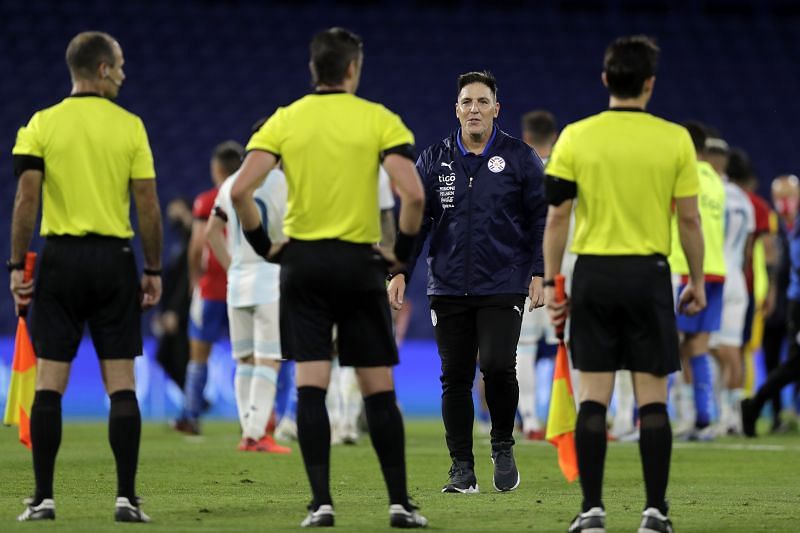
332	274
83	159
622	311
697	329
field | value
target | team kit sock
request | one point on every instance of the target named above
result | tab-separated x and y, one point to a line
702	384
241	386
261	400
196	377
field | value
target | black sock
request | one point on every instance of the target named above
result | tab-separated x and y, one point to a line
124	435
590	444
314	436
388	438
45	440
655	448
502	398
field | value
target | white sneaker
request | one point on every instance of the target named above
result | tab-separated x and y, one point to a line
286	430
322	516
44	511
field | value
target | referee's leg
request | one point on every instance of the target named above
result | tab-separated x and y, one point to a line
124	422
655	440
51	381
594	392
385	429
313	427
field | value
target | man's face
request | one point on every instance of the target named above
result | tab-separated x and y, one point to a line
476	110
786	196
112	75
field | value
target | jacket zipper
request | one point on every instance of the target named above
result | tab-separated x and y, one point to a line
469	235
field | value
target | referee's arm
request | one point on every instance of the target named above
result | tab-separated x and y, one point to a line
149	215
560	194
693	298
23	224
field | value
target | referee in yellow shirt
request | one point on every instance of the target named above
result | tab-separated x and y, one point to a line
84	157
625	168
331	143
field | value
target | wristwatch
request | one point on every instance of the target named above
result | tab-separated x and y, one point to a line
12	266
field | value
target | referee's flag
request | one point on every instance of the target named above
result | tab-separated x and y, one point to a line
22	387
562	415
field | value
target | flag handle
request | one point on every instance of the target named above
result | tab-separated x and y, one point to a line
561	295
30	265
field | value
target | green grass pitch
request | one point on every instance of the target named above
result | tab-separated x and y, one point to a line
204	484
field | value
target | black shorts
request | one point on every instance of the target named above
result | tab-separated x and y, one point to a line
331	282
623	316
87	279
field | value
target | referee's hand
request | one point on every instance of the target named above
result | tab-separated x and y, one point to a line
21	290
693	299
151	291
557	310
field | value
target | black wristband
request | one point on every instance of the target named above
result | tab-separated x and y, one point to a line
259	240
152	271
403	246
549	283
11	266
393	275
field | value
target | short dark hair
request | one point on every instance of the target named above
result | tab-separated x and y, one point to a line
540	124
229	154
628	62
485	77
739	169
332	50
87	50
698	132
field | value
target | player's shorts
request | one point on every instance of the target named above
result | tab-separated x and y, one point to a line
208	319
734	311
709	319
623	317
331	282
536	326
91	279
255	331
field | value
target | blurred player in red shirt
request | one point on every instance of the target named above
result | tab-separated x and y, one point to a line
208	313
740	170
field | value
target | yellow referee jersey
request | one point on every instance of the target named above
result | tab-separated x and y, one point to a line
628	166
712	214
91	149
330	146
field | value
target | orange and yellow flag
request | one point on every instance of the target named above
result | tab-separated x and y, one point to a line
23	384
562	415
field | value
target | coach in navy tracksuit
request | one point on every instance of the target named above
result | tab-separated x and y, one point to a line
485	213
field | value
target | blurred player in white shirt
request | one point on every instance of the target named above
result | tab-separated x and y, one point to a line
253	294
539	131
726	344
